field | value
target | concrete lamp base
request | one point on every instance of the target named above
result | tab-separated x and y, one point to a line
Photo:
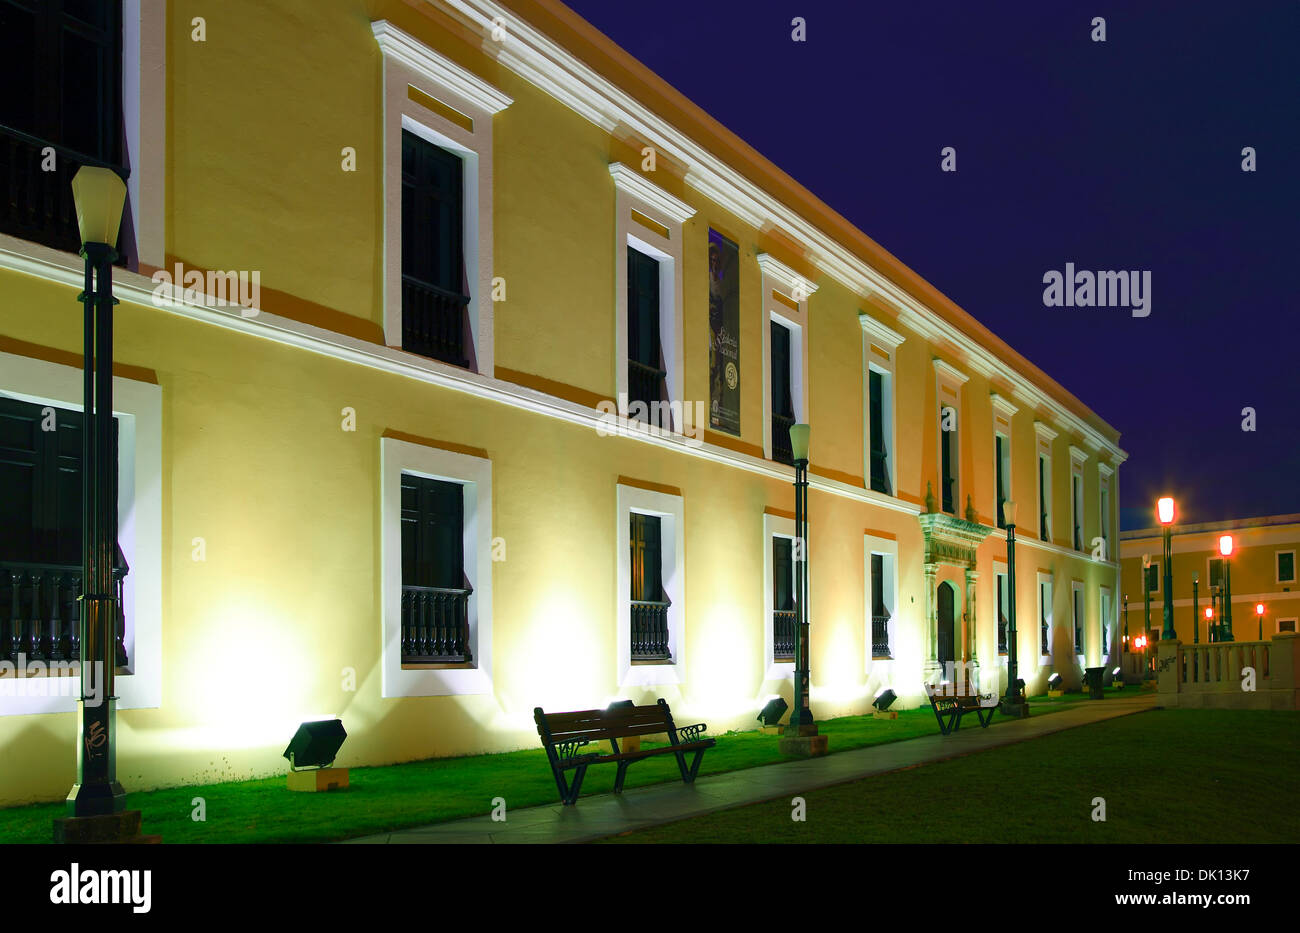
320	779
804	746
1017	710
110	829
886	714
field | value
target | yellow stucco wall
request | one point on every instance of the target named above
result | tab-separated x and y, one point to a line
260	634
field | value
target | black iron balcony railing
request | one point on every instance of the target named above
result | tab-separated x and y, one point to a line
949	488
1047	642
785	624
650	630
36	204
1078	641
880	471
433	321
1002	635
40	612
435	625
645	384
781	451
880	636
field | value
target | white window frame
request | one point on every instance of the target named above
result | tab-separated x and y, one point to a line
138	408
474	475
1277	623
880	354
1045	612
948	378
1044	435
1079	504
144	113
1080	622
888	548
774	526
1003	411
776	276
672	522
1000	582
1106	630
409	63
632	192
1105	507
1277	570
1155	562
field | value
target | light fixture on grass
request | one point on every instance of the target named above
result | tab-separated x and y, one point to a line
311	755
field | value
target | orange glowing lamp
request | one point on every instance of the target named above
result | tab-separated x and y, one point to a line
1225	545
1165	510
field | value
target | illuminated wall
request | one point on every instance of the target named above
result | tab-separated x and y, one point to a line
281	619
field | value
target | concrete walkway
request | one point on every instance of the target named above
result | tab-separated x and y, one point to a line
608	814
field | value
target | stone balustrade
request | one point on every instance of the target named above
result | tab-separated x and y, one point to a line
1219	674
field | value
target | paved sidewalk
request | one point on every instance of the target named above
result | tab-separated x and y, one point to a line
608	814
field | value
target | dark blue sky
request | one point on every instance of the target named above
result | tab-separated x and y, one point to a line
1117	155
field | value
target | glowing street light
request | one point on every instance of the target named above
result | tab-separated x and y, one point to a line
1225	623
1165	513
1259	614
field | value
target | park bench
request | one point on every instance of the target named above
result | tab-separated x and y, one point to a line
950	708
565	735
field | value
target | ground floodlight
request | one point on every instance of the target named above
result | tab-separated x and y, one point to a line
315	744
773	711
884	699
1054	680
1116	672
621	704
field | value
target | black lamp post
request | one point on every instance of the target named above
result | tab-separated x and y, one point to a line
1196	613
801	721
1126	648
1165	513
1259	614
1225	615
99	195
1013	703
1147	576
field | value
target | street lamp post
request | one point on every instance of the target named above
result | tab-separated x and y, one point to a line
1146	596
1013	704
1259	614
800	736
1196	615
99	195
1165	512
1225	617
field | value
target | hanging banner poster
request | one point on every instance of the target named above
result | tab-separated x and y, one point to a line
724	334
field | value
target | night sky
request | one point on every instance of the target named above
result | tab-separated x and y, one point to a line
1116	155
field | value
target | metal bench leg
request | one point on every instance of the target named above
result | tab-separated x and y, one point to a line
579	773
681	766
695	766
618	778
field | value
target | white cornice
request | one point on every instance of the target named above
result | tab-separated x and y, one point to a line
949	372
1105	469
65	269
1078	454
437	68
789	280
1044	431
1003	405
534	56
878	331
634	183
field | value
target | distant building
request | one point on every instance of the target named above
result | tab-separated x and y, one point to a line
1263	571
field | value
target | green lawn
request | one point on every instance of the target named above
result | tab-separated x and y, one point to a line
393	797
1167	776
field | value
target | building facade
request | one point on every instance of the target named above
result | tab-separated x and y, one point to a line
456	356
1262	572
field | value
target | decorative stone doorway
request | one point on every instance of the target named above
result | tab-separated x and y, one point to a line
953	542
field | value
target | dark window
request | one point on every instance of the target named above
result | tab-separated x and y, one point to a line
646	376
433	530
782	397
61	71
1078	624
948	462
999	444
1076	484
40	475
783	611
435	591
1216	571
435	300
1042	619
649	623
1286	567
1002	613
879	450
880	613
1043	532
1153	577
